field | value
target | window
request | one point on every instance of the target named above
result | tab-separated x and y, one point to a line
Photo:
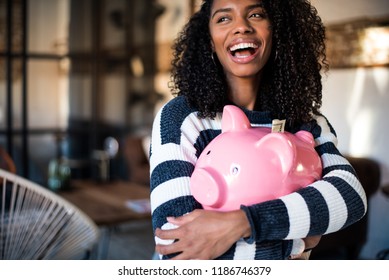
72	73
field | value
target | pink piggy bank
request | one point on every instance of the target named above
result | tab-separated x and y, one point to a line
247	165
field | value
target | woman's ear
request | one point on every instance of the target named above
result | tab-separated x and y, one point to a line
212	46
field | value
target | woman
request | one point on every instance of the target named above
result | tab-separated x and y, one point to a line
266	57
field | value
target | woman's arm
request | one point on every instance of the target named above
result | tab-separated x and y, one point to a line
170	169
328	205
204	234
173	153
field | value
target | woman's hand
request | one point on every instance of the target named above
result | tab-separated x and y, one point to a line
311	241
203	234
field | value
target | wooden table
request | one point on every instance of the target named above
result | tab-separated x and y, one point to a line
105	203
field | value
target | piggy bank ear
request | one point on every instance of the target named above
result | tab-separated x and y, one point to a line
306	136
276	146
234	119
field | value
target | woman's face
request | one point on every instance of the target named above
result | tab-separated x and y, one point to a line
241	36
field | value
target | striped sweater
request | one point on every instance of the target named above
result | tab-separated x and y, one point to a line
328	205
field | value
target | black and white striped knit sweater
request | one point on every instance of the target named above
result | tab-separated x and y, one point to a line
328	205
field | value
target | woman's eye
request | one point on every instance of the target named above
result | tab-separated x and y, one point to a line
258	15
222	19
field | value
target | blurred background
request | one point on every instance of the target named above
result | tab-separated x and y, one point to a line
80	76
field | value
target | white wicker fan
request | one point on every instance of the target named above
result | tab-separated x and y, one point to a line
36	223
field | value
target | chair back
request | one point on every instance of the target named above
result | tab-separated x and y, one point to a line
36	223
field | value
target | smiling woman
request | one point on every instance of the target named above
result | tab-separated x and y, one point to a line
241	38
266	57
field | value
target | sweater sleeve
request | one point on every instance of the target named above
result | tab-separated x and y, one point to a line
327	205
173	154
171	165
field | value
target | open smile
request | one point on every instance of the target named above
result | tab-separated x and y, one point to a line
243	52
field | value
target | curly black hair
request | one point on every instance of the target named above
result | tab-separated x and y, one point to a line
291	87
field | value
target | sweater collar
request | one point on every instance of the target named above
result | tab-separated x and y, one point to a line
258	117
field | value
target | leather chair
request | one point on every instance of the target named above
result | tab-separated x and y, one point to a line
347	243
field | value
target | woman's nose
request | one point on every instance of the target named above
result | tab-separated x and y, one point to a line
242	26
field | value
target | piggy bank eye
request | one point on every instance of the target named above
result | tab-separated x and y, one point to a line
208	152
235	169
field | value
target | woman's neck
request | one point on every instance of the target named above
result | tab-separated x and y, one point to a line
243	92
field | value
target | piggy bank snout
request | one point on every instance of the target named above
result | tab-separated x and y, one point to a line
207	187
